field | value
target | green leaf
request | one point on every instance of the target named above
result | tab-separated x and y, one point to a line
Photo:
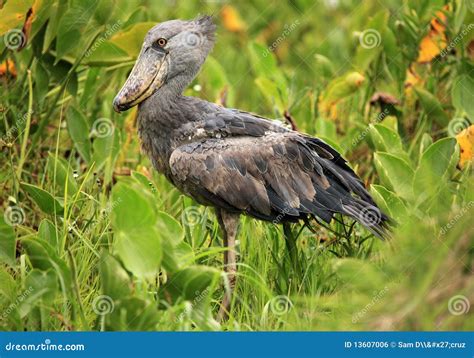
170	228
48	232
115	280
370	41
387	140
45	201
395	172
269	90
131	39
7	243
462	93
73	25
43	257
342	87
389	202
434	164
133	209
79	131
133	314
140	250
41	286
106	54
432	106
192	281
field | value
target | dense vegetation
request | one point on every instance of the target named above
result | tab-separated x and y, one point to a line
93	239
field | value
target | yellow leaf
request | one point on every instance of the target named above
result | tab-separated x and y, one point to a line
433	43
232	20
466	145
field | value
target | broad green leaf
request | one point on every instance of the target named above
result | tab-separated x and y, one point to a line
389	202
264	64
269	90
371	40
192	282
79	131
140	250
48	232
326	128
73	25
45	201
341	87
432	106
41	288
395	172
133	211
131	39
43	257
7	243
386	140
434	164
214	74
106	54
170	228
462	94
133	314
115	280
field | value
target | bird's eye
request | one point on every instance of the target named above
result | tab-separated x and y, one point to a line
161	42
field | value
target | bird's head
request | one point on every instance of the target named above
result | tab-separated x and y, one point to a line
172	54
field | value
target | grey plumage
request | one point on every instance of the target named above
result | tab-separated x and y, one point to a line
235	161
230	159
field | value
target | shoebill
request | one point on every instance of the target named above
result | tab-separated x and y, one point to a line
232	160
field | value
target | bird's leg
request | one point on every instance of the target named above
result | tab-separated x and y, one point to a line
228	223
291	247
